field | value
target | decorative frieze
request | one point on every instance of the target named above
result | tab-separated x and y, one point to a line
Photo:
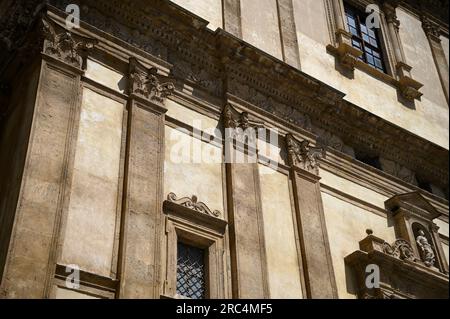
194	204
148	84
266	83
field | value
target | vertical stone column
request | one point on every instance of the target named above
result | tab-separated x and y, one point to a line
318	268
249	270
30	262
142	216
433	34
288	33
232	17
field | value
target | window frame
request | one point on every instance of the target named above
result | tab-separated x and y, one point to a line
357	15
183	224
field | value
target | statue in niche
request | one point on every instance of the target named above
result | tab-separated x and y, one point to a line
425	248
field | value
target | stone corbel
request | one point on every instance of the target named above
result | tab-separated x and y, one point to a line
409	88
304	156
346	54
147	84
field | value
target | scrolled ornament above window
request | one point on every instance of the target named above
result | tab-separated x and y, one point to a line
194	204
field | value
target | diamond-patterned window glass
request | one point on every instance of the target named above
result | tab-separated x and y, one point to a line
190	272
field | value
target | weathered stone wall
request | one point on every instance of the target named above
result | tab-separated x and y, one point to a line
261	27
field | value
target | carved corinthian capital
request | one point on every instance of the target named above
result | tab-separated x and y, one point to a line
302	155
148	84
431	29
233	119
64	45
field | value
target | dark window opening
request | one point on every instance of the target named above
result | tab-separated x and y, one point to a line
373	161
365	39
424	184
191	272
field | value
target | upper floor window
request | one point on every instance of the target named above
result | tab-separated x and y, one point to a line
365	39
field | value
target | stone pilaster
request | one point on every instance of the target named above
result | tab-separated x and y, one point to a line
142	216
288	33
249	269
232	17
317	263
31	256
433	34
409	88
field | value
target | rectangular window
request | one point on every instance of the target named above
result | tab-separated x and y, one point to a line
365	39
190	271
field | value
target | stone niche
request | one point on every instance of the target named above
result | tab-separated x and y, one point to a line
414	266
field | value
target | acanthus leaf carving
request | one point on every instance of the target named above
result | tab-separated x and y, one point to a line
148	84
193	203
65	45
400	249
233	119
431	29
301	154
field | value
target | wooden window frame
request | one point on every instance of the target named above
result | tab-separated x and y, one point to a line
357	14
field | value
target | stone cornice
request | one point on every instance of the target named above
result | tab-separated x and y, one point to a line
218	63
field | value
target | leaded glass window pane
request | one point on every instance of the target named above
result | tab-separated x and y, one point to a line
364	39
190	271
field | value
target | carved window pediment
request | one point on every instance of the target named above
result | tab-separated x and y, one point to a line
415	204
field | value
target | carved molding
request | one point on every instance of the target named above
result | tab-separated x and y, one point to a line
234	119
302	155
193	204
254	77
147	84
432	29
400	249
402	274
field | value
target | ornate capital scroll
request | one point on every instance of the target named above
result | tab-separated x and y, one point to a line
194	204
389	7
431	29
401	249
148	84
302	155
64	45
234	119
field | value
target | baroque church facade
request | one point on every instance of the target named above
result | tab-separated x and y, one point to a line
115	174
